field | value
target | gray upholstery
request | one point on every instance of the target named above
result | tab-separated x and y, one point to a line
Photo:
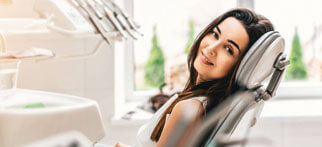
225	119
258	62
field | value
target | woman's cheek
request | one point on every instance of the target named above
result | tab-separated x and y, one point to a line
227	68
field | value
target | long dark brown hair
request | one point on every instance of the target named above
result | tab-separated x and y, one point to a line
216	90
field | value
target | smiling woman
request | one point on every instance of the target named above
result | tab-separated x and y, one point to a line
220	50
213	60
176	27
209	51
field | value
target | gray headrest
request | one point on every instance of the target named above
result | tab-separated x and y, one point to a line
258	62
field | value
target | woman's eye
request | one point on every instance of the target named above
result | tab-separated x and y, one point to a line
215	34
229	49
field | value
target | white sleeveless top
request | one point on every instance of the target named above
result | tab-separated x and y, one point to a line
146	130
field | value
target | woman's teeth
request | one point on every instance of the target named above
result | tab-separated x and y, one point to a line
206	60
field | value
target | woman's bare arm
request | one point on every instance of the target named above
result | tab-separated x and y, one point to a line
194	107
119	144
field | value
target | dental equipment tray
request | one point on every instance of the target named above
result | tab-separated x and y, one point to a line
27	116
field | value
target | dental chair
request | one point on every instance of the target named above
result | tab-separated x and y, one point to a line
230	122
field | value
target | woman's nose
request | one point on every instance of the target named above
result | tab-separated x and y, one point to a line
212	49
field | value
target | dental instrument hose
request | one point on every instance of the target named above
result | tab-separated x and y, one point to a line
77	56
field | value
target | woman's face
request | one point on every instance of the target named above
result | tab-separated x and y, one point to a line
220	50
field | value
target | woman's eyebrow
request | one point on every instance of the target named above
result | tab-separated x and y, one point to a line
235	44
232	42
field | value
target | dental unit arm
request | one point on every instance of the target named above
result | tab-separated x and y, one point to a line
69	20
62	17
29	53
77	18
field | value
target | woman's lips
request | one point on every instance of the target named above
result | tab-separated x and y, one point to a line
205	60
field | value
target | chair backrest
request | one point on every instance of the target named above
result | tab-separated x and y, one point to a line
258	62
244	107
223	121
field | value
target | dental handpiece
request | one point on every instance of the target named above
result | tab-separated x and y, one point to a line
82	11
107	25
98	14
128	30
120	19
92	5
92	18
112	19
126	16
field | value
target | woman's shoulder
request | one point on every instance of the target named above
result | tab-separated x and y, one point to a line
188	105
188	102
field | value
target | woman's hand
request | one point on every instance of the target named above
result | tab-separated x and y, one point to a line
121	145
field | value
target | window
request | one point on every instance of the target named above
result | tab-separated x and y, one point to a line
300	24
174	21
176	24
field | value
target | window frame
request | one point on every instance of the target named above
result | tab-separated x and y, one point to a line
124	52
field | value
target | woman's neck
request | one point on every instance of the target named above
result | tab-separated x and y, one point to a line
200	80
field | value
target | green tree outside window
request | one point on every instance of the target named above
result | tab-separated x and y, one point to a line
154	68
297	69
